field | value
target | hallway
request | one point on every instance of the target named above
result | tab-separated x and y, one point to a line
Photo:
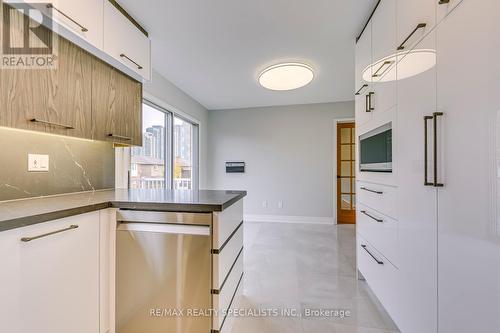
305	267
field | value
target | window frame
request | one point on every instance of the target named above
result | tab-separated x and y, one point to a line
169	145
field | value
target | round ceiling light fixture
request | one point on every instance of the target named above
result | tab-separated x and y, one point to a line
286	76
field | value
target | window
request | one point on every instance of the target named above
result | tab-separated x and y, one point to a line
168	157
185	154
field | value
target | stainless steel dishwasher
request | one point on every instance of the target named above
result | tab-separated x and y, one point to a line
163	272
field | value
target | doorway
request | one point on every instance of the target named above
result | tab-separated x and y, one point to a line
346	173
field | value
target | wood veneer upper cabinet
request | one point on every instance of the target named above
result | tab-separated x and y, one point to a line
116	105
59	98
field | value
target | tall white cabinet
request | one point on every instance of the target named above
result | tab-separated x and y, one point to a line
446	167
468	85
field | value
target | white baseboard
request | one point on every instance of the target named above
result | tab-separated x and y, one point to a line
289	219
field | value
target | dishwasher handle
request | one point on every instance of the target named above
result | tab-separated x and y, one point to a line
164	228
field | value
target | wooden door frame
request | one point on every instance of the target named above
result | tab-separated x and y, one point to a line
335	199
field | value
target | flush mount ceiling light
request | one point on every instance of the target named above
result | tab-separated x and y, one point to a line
409	63
286	76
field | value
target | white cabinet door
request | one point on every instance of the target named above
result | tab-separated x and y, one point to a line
58	276
411	18
83	18
125	42
416	202
384	63
468	76
363	80
10	287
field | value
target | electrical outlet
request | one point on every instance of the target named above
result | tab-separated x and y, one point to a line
38	163
280	204
264	203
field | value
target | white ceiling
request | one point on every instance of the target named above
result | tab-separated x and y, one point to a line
214	50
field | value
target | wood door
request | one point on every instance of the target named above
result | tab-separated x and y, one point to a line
116	105
346	187
59	99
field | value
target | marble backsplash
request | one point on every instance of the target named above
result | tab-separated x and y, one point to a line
75	164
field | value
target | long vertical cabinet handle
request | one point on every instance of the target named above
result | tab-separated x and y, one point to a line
370	106
426	152
435	116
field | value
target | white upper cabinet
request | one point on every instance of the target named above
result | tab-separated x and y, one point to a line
445	7
84	18
384	63
125	42
383	34
363	61
415	18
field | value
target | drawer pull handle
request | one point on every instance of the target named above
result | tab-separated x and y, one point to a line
29	239
111	135
443	2
385	63
51	6
371	255
125	56
369	190
372	217
362	87
34	120
419	26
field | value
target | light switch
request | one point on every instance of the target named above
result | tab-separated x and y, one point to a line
38	163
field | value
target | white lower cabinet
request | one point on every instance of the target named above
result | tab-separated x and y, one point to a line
380	230
50	277
380	274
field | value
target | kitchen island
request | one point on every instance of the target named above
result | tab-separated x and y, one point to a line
121	257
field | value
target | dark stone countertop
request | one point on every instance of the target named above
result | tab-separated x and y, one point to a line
24	212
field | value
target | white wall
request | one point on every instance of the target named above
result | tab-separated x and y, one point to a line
289	155
165	94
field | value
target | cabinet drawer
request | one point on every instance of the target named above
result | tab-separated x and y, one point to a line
224	299
380	275
381	198
125	42
379	230
224	223
225	257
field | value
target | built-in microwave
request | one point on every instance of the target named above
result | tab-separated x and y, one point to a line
375	150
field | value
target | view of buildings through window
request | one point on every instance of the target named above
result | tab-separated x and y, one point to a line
151	163
148	163
183	154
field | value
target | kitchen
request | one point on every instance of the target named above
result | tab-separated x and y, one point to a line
186	167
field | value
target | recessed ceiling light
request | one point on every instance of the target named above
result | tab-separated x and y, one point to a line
286	76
